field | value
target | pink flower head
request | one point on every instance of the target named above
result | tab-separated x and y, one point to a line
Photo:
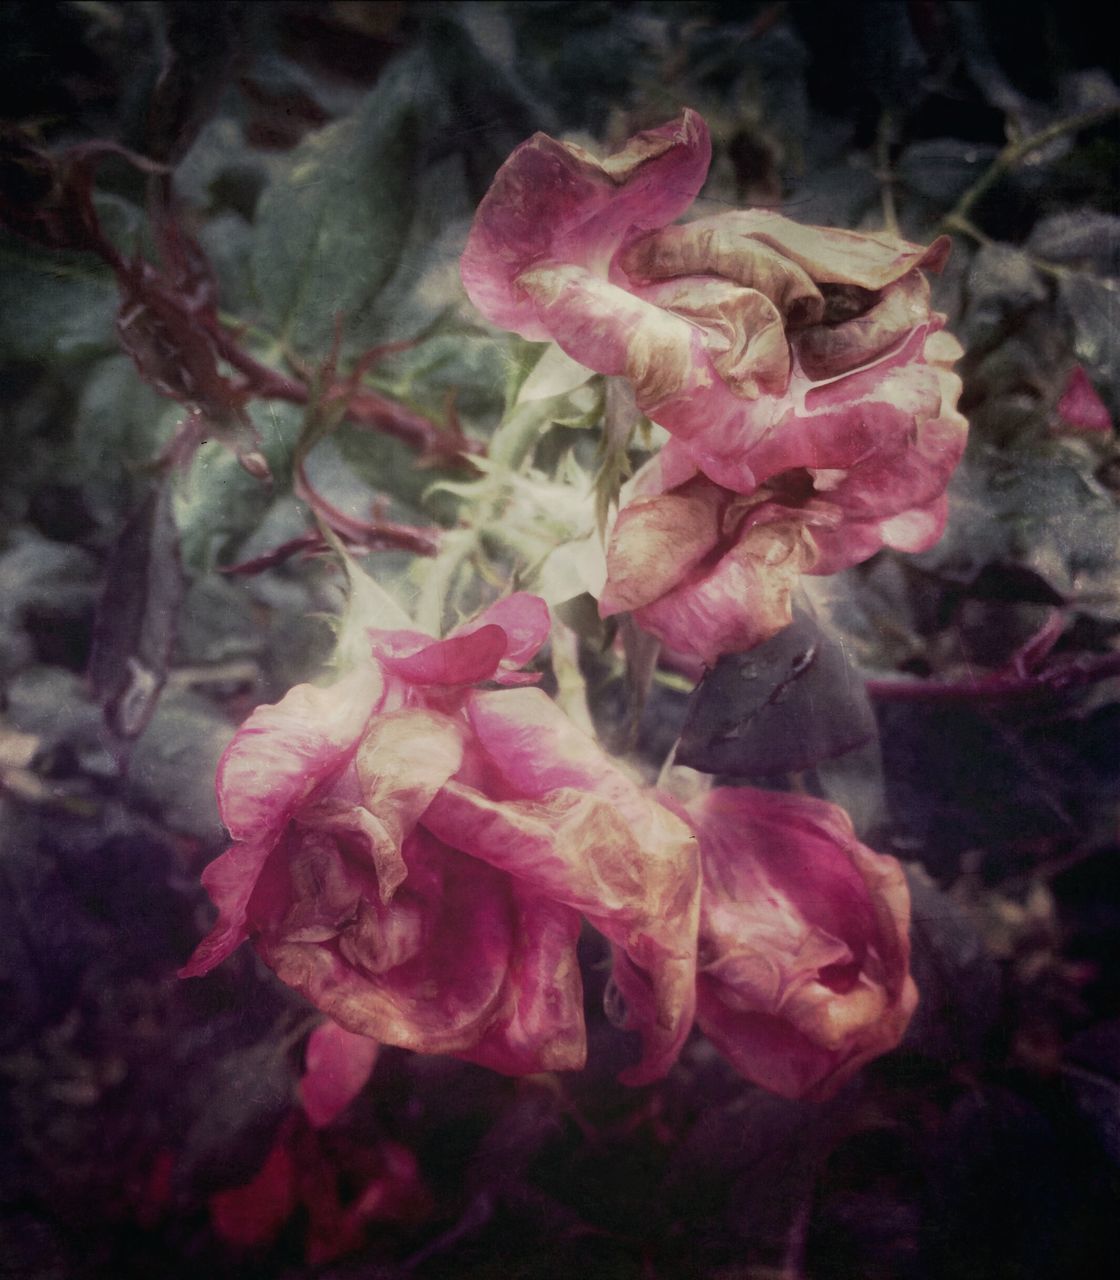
803	970
798	366
413	854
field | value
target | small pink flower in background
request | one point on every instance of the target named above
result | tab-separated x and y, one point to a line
341	1185
798	367
803	966
1080	409
414	854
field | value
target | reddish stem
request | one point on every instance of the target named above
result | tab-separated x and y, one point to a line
1000	686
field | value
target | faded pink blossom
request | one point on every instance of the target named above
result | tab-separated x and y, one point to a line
803	968
799	367
414	854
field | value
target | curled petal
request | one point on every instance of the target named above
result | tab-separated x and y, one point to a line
741	600
229	880
827	350
540	1024
615	332
743	330
525	620
656	542
572	827
804	953
462	961
403	760
553	201
833	256
722	246
458	660
425	971
283	752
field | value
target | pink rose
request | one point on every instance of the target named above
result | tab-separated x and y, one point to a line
414	854
800	367
803	965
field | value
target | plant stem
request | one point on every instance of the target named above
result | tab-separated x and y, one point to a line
1014	154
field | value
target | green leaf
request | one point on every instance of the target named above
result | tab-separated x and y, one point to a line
54	306
467	368
218	501
1043	511
121	425
329	230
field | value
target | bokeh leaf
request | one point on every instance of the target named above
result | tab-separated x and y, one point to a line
329	230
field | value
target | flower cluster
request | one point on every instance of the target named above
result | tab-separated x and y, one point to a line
415	853
804	379
418	845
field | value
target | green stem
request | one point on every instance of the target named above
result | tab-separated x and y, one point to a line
1014	154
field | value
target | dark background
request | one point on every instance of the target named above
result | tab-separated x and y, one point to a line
986	1147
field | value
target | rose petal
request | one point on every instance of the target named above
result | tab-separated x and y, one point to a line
283	752
615	332
337	1065
252	1215
1080	408
871	260
540	1026
739	602
430	971
803	941
229	880
458	660
403	760
433	972
555	201
743	330
827	350
723	246
570	826
525	620
656	542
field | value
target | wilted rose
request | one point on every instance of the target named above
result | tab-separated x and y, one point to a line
799	367
413	854
803	964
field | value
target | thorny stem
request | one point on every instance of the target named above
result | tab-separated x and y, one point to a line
1013	154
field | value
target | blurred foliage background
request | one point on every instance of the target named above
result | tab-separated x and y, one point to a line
318	165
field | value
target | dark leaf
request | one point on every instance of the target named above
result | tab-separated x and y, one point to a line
238	1104
45	602
199	50
942	169
1093	1076
784	706
135	629
958	981
1040	515
172	768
